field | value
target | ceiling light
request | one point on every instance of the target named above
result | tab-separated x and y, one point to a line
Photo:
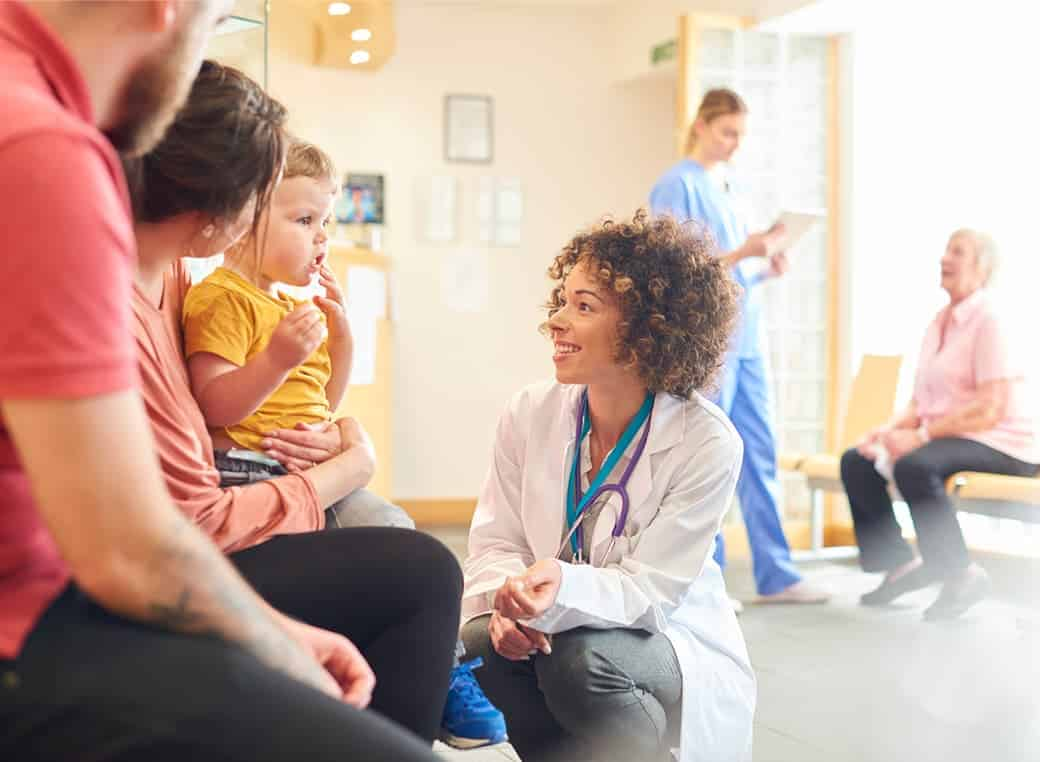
339	9
359	57
361	35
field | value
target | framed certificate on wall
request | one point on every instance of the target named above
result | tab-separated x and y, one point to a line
468	128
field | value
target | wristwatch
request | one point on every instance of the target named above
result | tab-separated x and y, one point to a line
922	432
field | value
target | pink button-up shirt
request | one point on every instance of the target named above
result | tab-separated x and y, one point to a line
974	352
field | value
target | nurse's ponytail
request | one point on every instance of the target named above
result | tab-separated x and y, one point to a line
716	103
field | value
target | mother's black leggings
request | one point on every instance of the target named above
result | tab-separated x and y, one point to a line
395	593
92	686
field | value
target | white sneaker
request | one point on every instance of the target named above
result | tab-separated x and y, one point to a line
738	606
500	752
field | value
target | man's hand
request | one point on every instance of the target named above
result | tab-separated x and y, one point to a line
340	658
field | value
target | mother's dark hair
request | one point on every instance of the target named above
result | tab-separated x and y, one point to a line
225	147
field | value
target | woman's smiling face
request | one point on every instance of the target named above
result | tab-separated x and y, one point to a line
584	330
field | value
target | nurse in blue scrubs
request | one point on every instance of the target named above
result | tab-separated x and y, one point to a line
697	188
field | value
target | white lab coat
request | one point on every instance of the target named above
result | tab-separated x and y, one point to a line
660	576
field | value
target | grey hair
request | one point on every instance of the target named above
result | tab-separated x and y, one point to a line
987	258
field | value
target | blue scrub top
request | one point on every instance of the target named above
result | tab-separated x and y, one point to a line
687	192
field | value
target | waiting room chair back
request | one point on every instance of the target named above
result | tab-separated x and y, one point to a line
872	398
870	404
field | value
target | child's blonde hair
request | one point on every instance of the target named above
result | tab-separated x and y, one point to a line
305	159
302	159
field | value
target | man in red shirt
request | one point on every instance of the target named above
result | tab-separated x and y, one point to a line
124	632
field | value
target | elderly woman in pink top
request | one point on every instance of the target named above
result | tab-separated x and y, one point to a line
969	413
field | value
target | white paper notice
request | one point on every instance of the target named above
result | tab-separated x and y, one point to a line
469	128
500	210
367	289
438	205
366	306
363	328
486	209
509	212
464	281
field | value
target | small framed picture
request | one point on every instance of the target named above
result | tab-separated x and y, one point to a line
361	199
468	128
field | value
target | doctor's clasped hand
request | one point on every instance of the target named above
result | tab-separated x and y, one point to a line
522	598
531	594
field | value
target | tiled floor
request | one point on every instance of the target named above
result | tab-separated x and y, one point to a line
843	683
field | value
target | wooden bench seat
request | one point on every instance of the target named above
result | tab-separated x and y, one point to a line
1007	497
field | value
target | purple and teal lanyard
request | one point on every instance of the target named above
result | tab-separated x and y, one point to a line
576	501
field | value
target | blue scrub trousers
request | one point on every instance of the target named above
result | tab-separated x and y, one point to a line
746	398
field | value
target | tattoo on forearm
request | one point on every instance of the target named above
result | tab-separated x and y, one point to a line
209	600
177	615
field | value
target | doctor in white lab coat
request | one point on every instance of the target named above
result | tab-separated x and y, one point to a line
604	647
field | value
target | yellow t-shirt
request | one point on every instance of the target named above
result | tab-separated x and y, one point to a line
228	316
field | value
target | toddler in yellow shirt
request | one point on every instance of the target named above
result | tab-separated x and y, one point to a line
260	360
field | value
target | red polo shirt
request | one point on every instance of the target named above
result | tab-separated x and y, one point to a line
66	253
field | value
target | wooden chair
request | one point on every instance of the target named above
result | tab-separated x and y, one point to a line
870	404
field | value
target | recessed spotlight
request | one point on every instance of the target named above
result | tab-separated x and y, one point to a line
339	9
361	35
359	57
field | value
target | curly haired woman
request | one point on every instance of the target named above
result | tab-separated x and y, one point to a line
600	614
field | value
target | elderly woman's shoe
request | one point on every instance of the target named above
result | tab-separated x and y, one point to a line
959	594
890	589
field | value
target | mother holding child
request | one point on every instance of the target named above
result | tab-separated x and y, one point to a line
260	360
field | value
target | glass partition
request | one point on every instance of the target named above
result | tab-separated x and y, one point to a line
241	40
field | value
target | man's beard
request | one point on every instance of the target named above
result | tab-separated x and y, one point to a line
153	95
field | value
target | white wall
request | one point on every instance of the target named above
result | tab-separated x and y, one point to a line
946	129
581	146
634	34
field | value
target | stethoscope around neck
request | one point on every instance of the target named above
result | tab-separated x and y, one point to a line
578	502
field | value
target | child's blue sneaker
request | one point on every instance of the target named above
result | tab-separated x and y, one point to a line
470	720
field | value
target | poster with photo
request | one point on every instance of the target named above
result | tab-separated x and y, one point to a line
361	200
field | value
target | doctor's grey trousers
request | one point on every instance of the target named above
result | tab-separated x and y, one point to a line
601	695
